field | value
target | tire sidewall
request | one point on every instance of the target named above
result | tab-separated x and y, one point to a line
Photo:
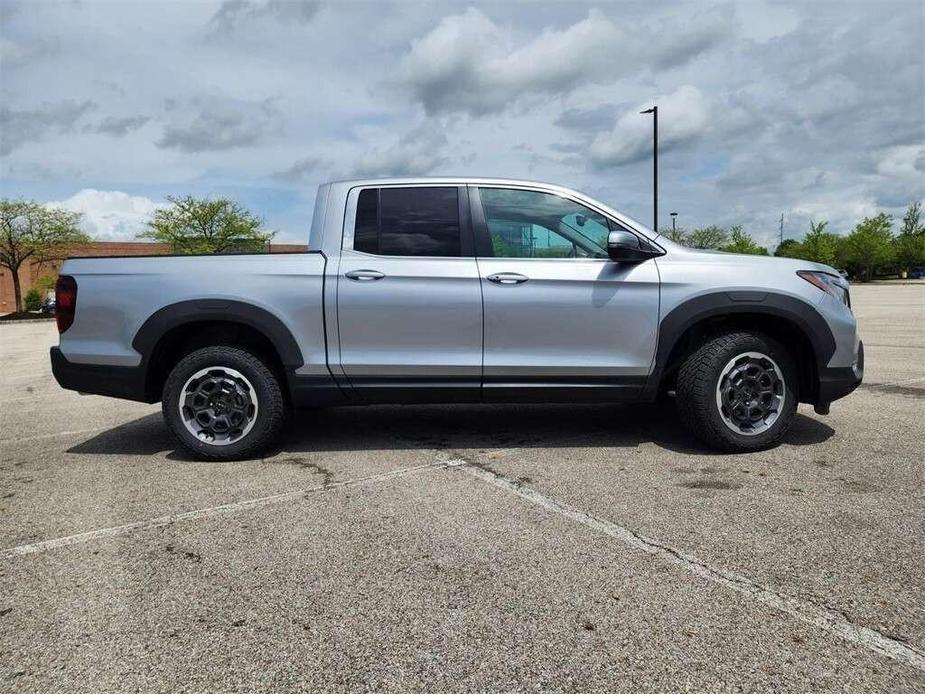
266	392
767	346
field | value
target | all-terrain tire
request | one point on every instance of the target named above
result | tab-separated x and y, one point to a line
696	391
262	386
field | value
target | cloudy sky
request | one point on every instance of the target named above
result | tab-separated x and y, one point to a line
816	110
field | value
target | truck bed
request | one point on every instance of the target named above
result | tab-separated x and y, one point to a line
117	296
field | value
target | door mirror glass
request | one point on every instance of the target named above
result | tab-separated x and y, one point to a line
625	247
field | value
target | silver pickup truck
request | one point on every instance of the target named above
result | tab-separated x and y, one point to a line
458	290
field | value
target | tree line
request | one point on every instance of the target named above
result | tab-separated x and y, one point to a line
871	247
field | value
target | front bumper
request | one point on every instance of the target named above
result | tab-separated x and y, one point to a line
126	382
835	383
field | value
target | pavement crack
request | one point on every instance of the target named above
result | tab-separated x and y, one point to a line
327	477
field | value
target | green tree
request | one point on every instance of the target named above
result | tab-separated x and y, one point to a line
741	242
789	248
30	231
819	245
869	246
46	282
678	234
202	226
910	243
708	237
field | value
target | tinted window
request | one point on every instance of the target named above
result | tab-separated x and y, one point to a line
408	221
529	224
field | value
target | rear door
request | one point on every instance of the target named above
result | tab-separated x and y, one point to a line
561	318
409	300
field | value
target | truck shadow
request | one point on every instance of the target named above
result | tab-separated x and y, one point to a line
455	427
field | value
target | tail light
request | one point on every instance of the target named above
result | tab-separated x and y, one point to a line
65	301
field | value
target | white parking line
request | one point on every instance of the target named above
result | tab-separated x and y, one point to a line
91	535
811	613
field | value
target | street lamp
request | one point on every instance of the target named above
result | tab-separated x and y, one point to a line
654	112
674	216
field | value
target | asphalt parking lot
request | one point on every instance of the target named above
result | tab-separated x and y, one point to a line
540	548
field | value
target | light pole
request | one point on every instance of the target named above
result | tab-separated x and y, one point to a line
674	216
654	112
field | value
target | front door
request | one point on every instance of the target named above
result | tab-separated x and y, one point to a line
409	304
561	319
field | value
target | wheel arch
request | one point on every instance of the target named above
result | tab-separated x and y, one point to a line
175	330
791	321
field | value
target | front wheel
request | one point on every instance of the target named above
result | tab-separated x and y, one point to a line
738	392
223	403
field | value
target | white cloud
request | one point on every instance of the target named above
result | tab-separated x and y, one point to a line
684	115
216	124
842	214
110	215
468	64
762	21
904	161
416	153
19	127
233	14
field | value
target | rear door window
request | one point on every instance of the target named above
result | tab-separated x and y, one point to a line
408	222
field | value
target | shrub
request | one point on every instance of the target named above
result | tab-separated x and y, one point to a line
33	300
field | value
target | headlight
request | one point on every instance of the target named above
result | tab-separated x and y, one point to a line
830	284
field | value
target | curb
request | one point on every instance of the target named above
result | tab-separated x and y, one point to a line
43	319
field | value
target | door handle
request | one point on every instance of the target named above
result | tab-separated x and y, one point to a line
507	278
364	275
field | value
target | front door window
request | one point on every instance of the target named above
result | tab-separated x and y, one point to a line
530	224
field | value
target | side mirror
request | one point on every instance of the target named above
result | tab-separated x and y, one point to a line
624	247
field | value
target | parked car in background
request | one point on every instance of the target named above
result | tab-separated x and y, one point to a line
459	290
48	305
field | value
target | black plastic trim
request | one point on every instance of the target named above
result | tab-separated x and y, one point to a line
526	389
483	247
416	389
126	382
175	315
835	383
718	304
314	391
467	235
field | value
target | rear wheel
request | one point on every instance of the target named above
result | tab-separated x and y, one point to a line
738	392
223	403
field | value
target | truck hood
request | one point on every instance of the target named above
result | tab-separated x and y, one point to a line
741	260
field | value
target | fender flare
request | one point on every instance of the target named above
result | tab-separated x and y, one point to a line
175	315
725	303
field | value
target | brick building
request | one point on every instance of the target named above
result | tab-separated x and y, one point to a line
29	273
